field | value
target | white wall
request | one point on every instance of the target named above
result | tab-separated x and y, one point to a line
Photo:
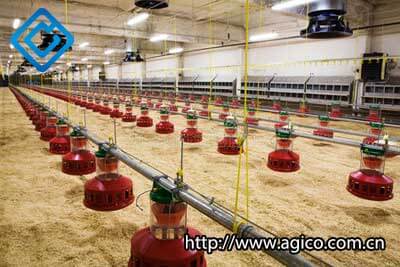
112	71
95	73
388	44
199	63
132	70
276	58
284	55
164	67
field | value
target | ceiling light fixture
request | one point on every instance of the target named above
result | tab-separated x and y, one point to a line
16	23
89	66
291	3
84	44
85	59
108	52
175	50
10	56
106	63
138	18
158	37
11	46
263	36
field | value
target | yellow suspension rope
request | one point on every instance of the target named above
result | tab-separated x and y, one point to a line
236	223
68	60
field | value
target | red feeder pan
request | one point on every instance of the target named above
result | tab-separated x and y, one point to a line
105	109
336	112
61	144
110	193
144	120
186	108
109	190
147	250
229	146
164	126
371	185
204	111
225	112
369	182
115	113
80	161
235	103
40	123
159	104
128	116
252	120
48	132
283	159
374	114
97	106
323	132
277	106
191	134
150	104
218	101
303	110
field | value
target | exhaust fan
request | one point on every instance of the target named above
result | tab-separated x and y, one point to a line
152	4
327	20
133	57
21	69
26	63
47	40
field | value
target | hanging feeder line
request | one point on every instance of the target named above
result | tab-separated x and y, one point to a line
223	216
336	140
346	119
349	132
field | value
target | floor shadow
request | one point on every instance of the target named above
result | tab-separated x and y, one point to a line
368	215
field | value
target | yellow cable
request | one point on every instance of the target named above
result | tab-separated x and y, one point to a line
237	224
68	70
246	76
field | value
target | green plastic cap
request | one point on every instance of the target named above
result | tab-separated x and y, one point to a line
160	195
373	150
230	123
101	153
191	115
164	110
323	118
60	122
284	113
76	133
283	133
377	125
143	106
374	106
